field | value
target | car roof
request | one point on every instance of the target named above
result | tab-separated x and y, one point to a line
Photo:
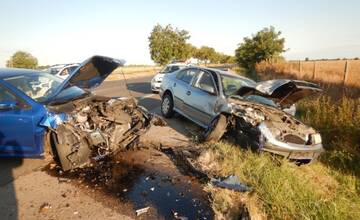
225	73
8	72
177	64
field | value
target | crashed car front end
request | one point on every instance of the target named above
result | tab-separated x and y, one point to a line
274	131
96	127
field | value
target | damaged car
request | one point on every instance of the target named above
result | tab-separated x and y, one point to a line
259	115
78	126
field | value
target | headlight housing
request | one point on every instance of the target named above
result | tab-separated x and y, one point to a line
315	138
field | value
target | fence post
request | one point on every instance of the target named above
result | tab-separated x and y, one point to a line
314	70
299	67
346	70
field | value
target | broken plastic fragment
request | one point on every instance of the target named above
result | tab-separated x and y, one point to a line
142	211
52	120
231	182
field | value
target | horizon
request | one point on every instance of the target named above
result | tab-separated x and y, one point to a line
68	32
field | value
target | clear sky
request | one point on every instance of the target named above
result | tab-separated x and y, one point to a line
65	31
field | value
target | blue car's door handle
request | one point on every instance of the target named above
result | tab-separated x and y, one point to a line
174	85
188	93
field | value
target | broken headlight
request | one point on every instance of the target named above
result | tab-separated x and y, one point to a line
315	138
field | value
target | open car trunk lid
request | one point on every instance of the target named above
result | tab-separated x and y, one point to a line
283	92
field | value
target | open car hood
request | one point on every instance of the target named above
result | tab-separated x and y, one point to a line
90	74
283	92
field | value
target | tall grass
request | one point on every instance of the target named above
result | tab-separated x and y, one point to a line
286	191
339	125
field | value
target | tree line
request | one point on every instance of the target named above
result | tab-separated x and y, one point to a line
167	44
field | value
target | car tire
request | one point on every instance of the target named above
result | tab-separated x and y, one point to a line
216	129
167	106
63	154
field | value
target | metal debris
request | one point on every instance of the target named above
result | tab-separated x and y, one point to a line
230	182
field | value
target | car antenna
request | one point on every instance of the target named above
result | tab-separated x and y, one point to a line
126	84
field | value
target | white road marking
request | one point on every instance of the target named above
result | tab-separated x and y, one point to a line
146	96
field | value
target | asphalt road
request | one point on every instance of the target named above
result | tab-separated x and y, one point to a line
138	88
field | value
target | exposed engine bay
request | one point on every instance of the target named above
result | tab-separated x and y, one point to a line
96	127
284	127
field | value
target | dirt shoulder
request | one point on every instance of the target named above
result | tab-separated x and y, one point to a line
41	196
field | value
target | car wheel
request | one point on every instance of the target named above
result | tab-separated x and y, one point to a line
216	129
167	106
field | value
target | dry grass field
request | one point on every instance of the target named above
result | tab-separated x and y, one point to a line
328	71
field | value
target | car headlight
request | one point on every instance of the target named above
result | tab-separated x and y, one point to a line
315	138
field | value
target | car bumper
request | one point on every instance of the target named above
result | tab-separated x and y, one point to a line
155	86
289	150
305	152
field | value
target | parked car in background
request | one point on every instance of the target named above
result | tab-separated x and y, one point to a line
67	70
219	101
63	70
78	126
157	79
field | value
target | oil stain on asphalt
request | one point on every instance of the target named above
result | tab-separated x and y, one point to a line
151	183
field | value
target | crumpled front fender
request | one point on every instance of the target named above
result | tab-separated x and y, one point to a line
53	120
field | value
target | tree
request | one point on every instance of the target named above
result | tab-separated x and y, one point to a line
167	43
264	45
206	54
22	59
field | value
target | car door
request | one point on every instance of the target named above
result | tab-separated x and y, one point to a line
181	87
20	135
201	98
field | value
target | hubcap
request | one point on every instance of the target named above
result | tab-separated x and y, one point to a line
166	105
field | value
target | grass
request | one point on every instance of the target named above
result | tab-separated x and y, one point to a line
339	125
284	190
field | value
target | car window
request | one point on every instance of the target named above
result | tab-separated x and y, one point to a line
6	95
64	72
186	75
205	82
174	68
232	84
72	68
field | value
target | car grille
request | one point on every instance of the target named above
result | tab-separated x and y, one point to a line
290	138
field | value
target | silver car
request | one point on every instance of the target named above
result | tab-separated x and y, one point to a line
254	113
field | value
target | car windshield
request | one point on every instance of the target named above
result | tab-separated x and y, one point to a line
41	86
231	84
261	100
170	69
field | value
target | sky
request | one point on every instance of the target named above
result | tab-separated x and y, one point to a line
67	31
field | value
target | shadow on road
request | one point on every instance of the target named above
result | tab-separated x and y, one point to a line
8	202
141	87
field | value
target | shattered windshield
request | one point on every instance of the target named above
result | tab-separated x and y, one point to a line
41	86
231	84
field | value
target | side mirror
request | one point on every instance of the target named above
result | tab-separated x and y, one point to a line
7	105
209	89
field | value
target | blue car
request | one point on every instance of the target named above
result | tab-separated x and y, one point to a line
38	109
